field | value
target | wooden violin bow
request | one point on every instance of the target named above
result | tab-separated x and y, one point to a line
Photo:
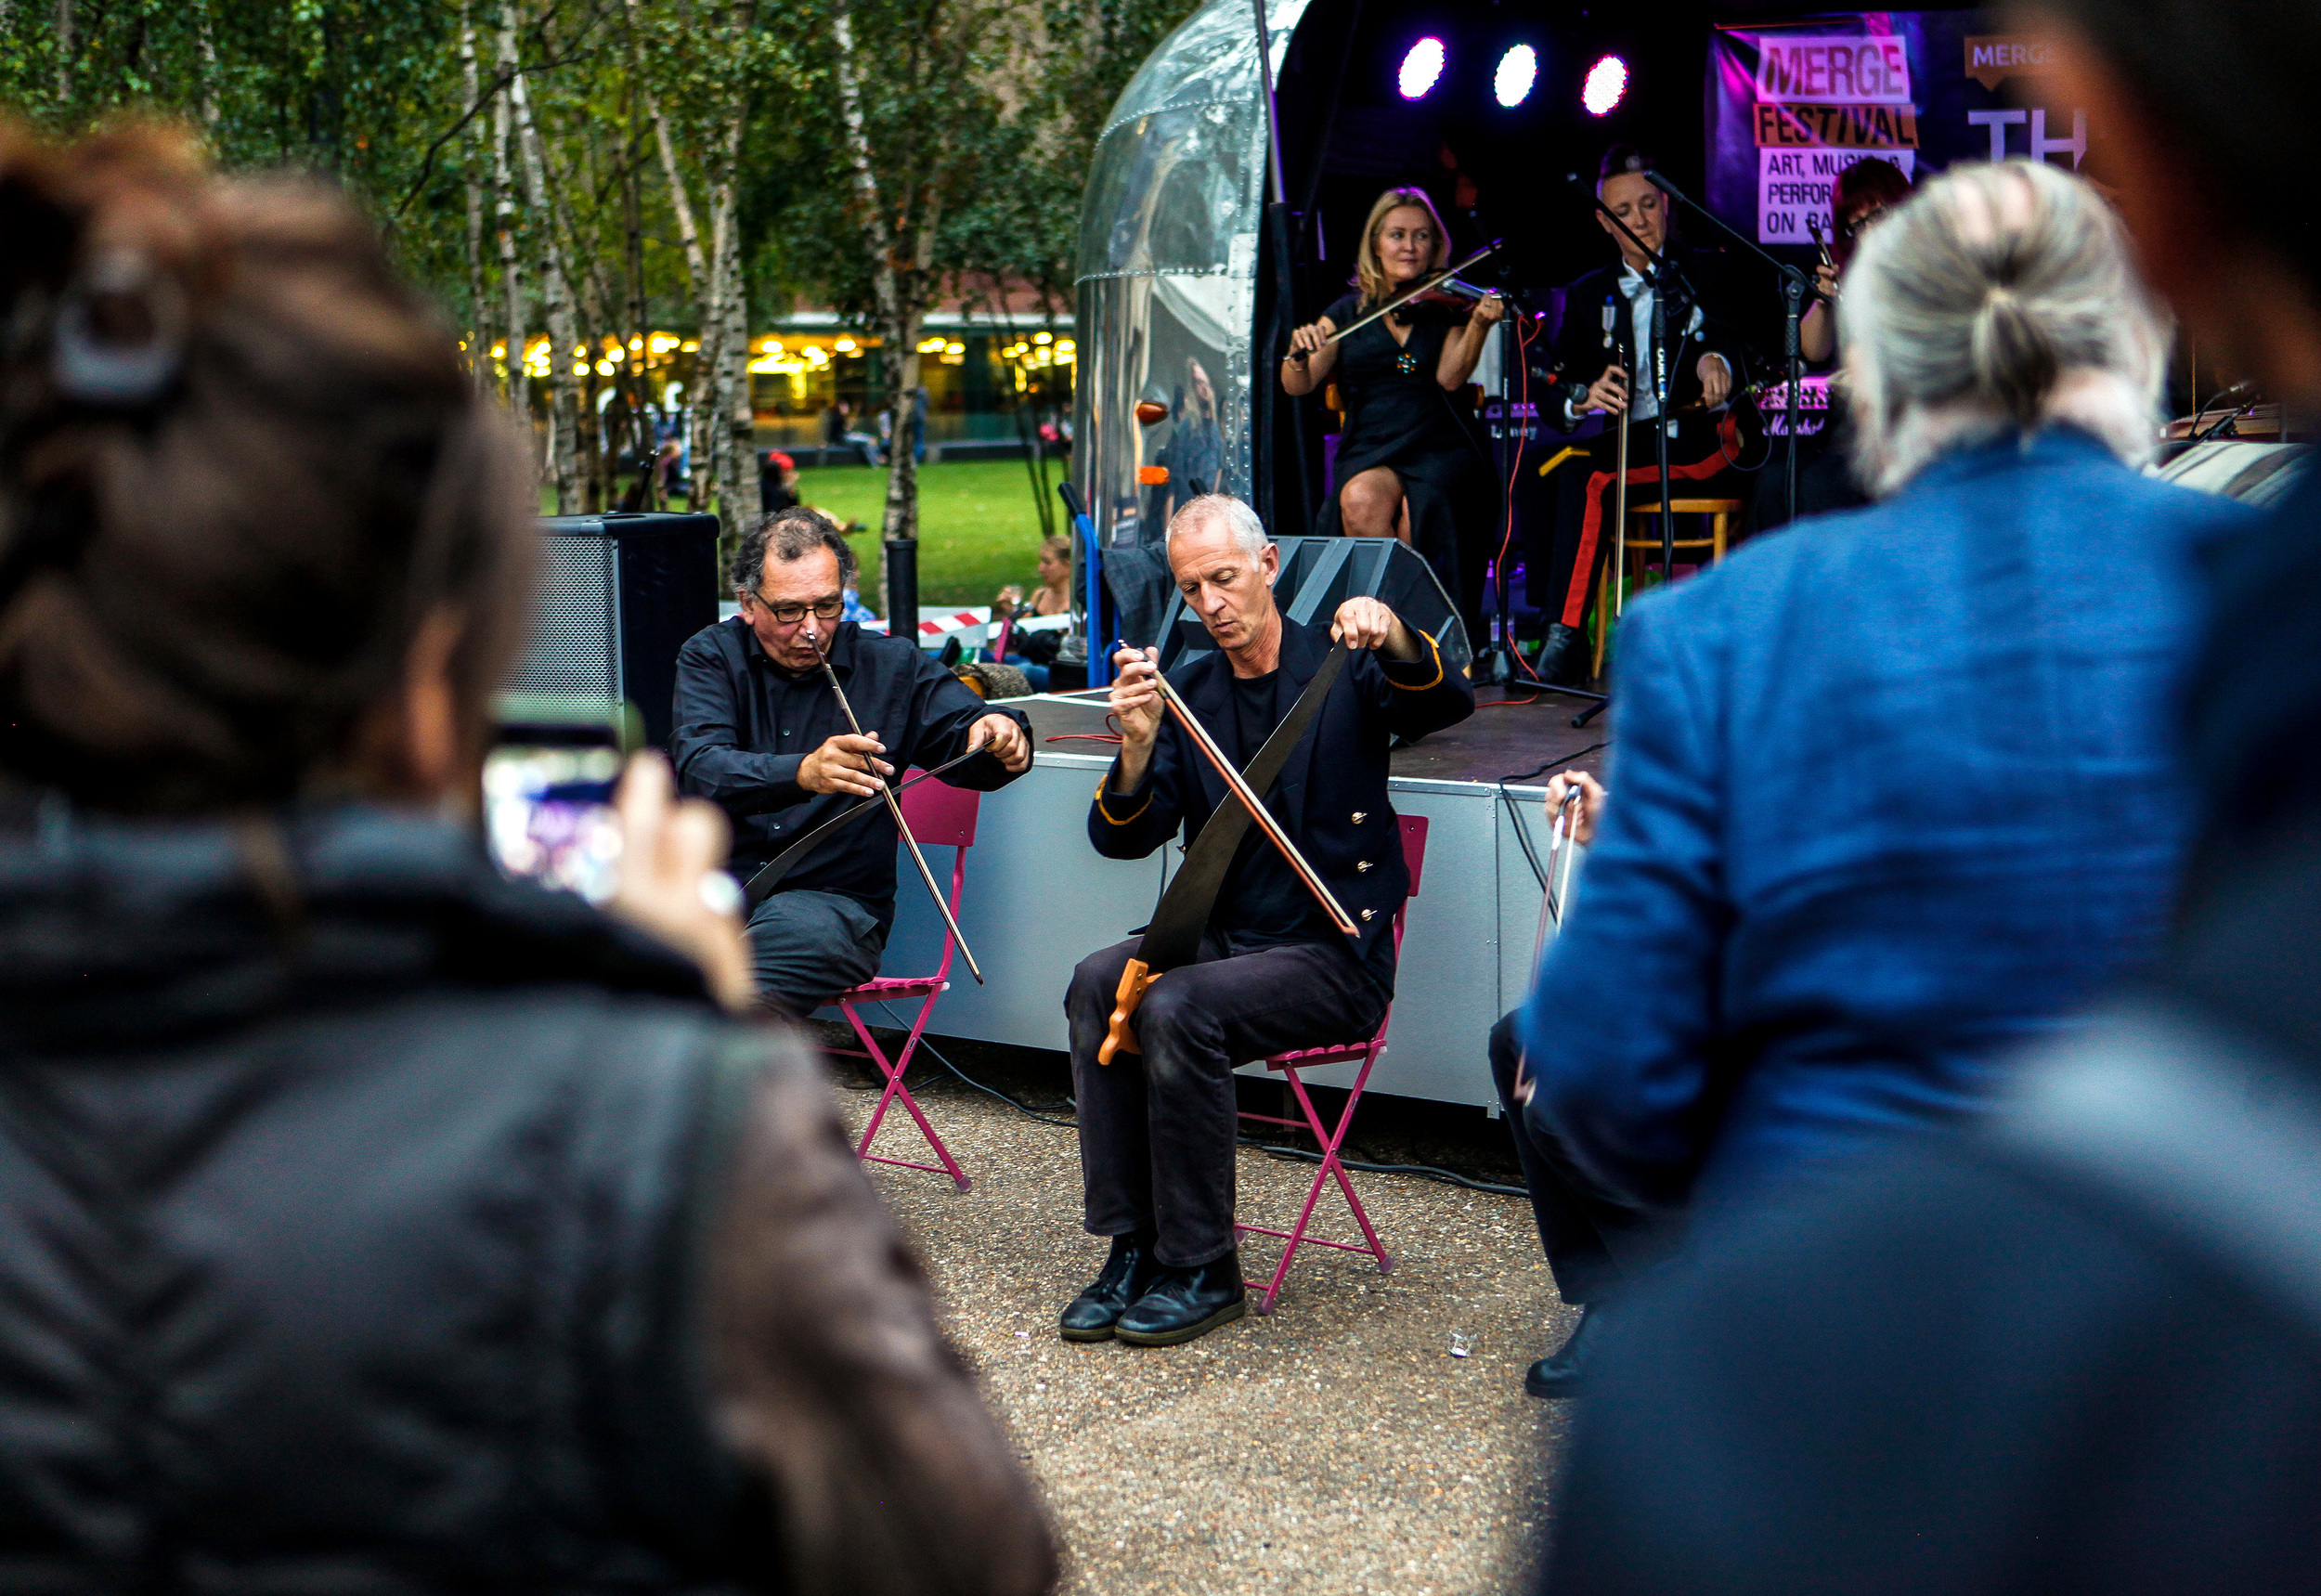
904	826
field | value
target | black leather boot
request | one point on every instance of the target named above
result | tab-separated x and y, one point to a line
1563	1372
1185	1302
1565	658
1128	1273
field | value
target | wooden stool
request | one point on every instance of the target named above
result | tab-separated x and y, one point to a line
1719	512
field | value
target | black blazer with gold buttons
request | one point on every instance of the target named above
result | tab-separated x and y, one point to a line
1332	795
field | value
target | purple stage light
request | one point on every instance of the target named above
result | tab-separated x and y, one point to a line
1605	87
1512	81
1420	66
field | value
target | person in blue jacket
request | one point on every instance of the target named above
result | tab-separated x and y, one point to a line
1893	793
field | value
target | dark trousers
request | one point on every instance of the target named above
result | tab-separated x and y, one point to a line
1157	1127
1591	1239
806	947
1564	584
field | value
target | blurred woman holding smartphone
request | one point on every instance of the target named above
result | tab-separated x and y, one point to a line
374	1220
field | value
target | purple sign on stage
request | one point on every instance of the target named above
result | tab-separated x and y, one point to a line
1791	107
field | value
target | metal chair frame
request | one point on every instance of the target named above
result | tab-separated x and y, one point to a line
940	817
1332	1137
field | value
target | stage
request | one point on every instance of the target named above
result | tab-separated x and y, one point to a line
1038	897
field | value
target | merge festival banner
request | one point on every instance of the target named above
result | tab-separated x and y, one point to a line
1792	106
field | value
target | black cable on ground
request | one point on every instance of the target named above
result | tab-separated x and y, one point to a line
1024	1109
1423	1171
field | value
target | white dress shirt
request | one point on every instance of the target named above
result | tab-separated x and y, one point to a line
1644	405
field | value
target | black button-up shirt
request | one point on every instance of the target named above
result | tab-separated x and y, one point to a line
744	725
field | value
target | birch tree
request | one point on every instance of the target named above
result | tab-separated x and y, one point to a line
518	321
564	332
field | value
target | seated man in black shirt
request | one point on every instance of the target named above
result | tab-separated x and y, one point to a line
1156	1125
760	731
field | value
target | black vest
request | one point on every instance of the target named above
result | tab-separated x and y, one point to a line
346	1242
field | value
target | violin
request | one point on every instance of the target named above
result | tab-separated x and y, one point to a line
1438	283
1449	301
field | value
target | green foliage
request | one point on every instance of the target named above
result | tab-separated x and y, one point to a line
979	114
986	109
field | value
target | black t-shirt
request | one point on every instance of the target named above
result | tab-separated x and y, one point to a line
1266	902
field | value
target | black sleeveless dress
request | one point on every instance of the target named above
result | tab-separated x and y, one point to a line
1398	415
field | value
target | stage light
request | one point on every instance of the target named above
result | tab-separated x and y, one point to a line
1606	85
1511	83
1420	66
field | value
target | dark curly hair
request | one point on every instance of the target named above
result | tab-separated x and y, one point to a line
790	535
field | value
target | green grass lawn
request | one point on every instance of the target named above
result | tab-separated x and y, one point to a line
978	528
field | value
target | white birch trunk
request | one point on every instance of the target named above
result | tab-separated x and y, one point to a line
206	47
564	332
898	325
504	217
480	334
736	483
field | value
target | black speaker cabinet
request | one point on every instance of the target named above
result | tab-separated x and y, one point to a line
619	595
1319	573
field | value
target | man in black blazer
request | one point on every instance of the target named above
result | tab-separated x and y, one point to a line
1604	354
1156	1125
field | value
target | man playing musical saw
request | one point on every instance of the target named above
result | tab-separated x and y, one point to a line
761	732
1273	971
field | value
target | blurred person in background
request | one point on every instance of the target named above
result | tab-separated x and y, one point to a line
2080	1349
1864	193
374	1221
1033	652
1897	797
1591	1239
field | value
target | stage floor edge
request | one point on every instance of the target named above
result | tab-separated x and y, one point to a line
1039	897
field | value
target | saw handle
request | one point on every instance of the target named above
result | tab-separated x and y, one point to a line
1117	1038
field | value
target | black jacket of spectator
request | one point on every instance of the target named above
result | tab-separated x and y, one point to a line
744	725
373	1224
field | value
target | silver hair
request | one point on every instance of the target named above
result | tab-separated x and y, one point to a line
1997	299
1249	533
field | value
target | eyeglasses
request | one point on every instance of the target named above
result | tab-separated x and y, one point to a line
790	615
1861	223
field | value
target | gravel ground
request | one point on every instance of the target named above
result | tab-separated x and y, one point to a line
1336	1446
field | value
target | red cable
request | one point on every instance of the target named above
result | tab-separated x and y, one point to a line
1112	736
1507	540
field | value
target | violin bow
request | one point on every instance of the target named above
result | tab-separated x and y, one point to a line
1174	934
1257	810
758	888
895	808
1447	275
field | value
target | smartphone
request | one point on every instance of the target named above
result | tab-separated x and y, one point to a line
548	804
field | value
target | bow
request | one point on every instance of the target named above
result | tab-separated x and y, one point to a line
1173	937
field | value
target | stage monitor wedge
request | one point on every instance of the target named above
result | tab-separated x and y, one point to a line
1319	573
618	596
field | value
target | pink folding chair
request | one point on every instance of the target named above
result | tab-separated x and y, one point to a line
1363	1053
939	817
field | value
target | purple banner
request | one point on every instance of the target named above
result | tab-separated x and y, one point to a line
1791	107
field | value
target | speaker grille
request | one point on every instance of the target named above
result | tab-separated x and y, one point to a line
575	647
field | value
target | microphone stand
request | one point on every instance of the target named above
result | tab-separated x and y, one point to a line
1663	274
1795	286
